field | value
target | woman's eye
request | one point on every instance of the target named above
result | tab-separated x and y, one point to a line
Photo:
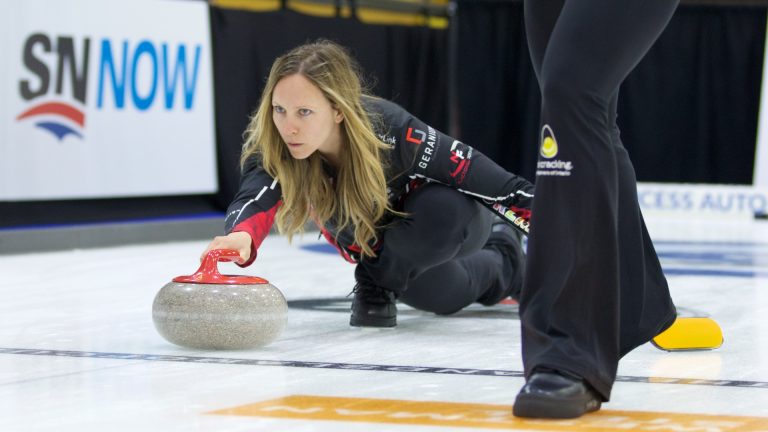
278	109
305	112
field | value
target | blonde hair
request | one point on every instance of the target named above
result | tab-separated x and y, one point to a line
359	197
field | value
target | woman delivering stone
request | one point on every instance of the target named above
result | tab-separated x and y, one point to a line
401	200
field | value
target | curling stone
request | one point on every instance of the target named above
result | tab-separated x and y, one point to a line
208	310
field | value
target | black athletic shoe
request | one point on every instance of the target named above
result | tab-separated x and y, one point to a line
555	395
508	241
373	307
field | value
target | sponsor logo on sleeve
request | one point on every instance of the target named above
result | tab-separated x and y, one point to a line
461	155
415	136
429	138
510	215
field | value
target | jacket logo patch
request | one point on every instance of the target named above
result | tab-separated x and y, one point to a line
410	138
460	156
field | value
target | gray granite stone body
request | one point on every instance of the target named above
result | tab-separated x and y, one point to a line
221	317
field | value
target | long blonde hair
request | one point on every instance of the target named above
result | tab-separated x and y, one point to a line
359	196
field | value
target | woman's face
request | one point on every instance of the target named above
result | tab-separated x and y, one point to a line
306	120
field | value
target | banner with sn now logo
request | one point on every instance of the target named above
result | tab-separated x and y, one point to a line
105	99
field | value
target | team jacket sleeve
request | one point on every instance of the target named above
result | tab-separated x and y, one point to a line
436	156
254	207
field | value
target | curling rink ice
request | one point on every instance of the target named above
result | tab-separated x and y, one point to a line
79	351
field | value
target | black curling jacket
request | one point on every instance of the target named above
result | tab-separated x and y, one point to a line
418	153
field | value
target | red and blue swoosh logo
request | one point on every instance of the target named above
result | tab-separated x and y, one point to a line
51	115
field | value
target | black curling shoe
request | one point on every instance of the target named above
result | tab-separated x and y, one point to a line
373	307
555	395
508	242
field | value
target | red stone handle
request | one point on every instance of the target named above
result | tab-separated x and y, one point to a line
208	273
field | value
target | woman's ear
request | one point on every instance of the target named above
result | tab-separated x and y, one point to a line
338	116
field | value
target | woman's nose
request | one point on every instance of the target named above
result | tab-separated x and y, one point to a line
291	129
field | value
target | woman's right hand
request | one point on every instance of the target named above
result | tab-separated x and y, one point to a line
238	240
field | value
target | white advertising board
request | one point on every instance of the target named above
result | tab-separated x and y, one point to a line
105	99
702	201
760	177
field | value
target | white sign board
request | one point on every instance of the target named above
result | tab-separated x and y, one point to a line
702	201
105	99
760	178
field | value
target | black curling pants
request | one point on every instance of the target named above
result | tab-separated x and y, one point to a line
594	289
434	258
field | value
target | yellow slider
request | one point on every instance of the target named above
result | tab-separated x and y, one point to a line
689	333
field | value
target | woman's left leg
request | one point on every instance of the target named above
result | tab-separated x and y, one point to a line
434	259
486	276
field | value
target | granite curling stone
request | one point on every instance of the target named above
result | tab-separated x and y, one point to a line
208	310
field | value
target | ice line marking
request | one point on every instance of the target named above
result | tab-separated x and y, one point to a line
358	366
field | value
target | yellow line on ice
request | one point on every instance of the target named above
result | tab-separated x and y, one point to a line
452	414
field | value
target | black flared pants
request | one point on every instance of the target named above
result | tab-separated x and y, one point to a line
594	288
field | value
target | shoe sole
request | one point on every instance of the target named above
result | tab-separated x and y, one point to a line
356	321
535	406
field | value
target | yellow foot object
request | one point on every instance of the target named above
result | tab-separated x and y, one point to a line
688	333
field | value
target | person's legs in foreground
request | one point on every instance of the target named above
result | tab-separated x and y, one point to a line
593	289
441	258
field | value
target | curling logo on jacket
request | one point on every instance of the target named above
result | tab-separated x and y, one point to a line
550	166
60	79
